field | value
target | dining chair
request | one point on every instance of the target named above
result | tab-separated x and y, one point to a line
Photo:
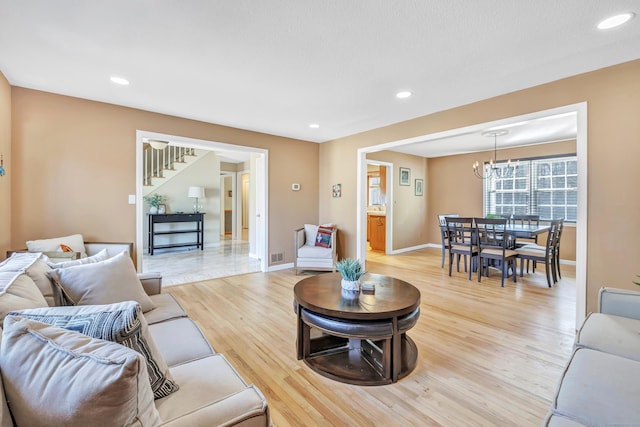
526	220
462	242
556	249
444	234
543	254
493	242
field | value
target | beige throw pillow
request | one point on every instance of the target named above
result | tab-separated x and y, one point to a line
74	241
104	282
100	256
55	377
18	291
122	323
34	264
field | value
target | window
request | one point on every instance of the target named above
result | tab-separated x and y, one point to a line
547	187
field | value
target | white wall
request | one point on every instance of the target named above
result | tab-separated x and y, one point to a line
205	173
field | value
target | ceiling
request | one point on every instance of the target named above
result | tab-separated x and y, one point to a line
277	66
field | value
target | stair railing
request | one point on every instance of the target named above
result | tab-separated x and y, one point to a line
155	161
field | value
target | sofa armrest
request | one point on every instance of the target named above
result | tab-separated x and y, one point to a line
151	282
247	404
619	302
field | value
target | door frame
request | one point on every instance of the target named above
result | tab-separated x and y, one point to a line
257	154
581	153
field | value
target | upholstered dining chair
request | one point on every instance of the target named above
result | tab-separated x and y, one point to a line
444	234
493	242
461	242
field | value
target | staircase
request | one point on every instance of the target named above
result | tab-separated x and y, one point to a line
159	166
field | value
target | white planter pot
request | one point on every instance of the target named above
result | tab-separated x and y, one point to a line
153	210
350	286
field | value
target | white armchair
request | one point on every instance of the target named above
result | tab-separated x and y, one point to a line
312	253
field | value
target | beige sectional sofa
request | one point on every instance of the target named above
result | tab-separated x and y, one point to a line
601	383
210	392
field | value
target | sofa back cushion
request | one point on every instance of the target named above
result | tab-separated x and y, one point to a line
103	282
18	291
122	323
36	267
5	415
55	377
74	242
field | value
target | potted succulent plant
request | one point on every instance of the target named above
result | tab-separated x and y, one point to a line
154	201
351	270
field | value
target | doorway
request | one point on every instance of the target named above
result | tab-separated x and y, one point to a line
580	111
254	165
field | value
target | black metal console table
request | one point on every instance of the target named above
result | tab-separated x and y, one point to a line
196	218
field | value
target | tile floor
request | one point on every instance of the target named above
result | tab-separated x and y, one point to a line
228	258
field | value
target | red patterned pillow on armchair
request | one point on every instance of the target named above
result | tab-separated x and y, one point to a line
323	238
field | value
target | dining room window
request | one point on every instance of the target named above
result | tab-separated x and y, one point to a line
547	187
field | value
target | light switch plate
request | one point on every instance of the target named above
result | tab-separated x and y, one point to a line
132	199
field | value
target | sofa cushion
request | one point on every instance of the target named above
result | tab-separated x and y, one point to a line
100	256
555	420
54	377
310	233
18	291
211	386
180	340
34	264
611	334
104	282
315	252
598	388
74	241
5	415
166	308
122	323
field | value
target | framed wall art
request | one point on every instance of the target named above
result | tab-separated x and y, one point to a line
337	190
419	187
405	176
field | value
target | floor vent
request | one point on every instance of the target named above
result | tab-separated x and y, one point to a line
277	257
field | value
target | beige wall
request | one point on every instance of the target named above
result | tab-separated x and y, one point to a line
74	165
5	150
466	200
613	129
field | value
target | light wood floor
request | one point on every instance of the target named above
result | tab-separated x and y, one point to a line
488	356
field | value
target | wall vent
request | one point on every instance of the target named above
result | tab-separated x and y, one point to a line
277	257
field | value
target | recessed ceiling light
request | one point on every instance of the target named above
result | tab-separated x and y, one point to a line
119	80
403	94
314	126
615	21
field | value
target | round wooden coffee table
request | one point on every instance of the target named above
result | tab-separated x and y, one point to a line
357	339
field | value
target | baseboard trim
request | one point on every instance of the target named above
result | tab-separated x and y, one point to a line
278	267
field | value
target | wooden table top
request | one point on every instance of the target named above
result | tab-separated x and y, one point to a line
322	294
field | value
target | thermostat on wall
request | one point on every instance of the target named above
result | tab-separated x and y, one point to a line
295	187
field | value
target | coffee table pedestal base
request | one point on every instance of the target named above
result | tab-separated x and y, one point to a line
359	362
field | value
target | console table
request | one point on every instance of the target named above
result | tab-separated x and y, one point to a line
197	228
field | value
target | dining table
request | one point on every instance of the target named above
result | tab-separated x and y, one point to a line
525	231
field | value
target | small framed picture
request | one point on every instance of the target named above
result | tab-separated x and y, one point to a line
419	184
162	209
337	190
405	176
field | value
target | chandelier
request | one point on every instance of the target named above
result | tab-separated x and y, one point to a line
492	169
